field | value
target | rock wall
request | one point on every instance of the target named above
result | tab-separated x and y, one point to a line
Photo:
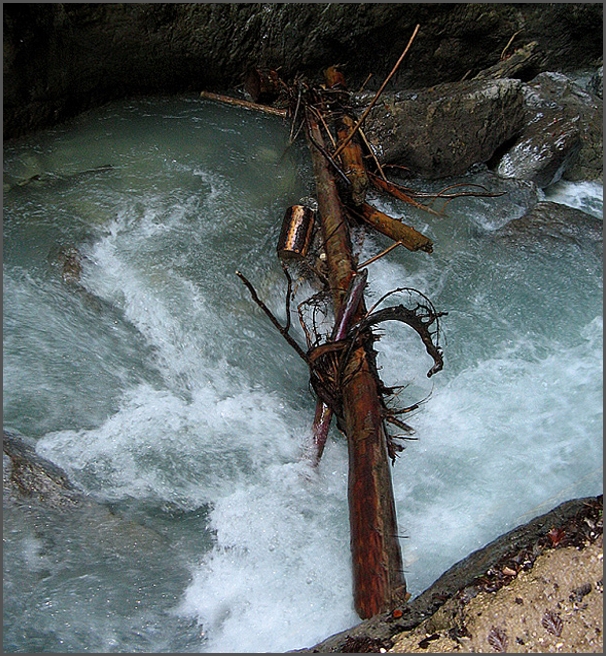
60	59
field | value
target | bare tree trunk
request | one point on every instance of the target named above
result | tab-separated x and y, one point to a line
377	561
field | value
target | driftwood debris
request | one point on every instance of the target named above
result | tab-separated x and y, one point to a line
351	155
406	235
342	365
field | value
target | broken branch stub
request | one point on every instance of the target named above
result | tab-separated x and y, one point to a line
412	239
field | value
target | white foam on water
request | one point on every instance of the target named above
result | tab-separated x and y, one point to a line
499	443
279	574
585	195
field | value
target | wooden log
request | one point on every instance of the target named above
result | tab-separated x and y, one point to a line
378	580
246	104
378	576
394	229
353	162
333	222
351	157
348	310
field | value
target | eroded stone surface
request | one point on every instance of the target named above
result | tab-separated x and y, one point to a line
544	152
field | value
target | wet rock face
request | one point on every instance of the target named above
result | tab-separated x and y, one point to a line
556	109
26	475
443	130
544	152
596	84
60	59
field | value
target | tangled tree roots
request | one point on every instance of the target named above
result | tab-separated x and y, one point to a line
328	362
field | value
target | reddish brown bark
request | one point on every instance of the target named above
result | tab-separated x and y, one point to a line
412	239
335	232
351	156
353	164
378	580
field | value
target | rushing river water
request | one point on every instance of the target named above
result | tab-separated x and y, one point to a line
171	400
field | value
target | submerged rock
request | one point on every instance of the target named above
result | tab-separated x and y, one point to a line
34	485
554	222
70	261
26	475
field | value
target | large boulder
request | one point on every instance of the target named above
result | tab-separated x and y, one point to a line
442	130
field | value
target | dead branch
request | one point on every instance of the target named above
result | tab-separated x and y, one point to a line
410	238
246	104
377	95
396	192
380	255
283	331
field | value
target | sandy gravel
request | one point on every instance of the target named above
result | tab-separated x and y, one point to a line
555	607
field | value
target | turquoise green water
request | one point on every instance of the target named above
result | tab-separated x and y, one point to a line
171	400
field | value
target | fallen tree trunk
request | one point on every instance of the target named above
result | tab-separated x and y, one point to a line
323	414
378	579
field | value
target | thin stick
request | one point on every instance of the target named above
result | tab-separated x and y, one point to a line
377	95
208	95
508	44
380	255
329	158
364	83
294	118
370	150
272	318
321	117
288	293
